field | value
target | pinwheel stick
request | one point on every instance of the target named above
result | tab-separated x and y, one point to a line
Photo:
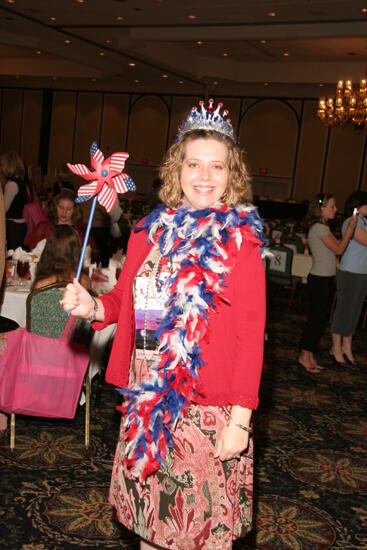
86	237
85	242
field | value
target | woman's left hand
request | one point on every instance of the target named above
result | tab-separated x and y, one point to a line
232	441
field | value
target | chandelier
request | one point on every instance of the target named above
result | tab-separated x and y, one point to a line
348	105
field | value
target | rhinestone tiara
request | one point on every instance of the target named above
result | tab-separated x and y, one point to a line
207	118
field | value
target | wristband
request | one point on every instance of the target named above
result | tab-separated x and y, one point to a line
245	428
92	316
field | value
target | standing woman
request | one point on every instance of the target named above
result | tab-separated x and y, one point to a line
324	248
12	176
190	307
351	281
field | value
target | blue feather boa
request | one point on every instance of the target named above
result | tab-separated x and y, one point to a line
199	241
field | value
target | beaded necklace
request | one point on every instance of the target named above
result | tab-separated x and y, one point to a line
153	289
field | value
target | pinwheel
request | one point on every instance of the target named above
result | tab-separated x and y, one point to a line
106	180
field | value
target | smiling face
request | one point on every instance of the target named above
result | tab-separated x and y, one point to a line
64	211
329	210
204	172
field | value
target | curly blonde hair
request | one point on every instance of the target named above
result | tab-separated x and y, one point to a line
238	188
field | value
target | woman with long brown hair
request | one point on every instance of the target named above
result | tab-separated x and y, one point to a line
59	260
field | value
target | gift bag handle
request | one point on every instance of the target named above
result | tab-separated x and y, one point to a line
68	327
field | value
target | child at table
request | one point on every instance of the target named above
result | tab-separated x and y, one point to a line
324	249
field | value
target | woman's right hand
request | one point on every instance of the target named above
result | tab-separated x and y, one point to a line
352	222
77	300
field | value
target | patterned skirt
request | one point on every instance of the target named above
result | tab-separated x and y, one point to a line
196	501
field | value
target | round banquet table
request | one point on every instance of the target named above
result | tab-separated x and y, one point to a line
14	303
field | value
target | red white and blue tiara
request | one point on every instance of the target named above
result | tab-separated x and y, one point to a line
209	118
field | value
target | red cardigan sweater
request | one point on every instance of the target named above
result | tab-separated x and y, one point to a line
233	351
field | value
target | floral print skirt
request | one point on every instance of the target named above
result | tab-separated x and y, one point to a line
196	501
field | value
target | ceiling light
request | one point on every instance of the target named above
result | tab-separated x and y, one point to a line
364	10
164	75
132	64
101	54
262	41
108	41
225	54
67	41
271	13
286	54
11	1
348	104
119	18
80	1
53	19
199	42
191	16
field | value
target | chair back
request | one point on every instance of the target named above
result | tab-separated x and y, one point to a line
295	243
279	265
45	316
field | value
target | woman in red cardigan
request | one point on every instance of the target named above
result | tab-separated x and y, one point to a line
190	311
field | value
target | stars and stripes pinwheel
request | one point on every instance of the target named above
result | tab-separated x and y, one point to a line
106	180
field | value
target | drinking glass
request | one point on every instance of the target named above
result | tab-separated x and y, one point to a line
22	269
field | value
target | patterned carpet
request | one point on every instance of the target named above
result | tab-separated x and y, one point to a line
310	467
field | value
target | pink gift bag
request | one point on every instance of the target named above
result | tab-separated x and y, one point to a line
42	376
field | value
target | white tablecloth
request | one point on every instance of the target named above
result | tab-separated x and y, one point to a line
301	266
14	304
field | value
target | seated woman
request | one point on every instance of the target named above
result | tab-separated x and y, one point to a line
62	211
58	264
59	259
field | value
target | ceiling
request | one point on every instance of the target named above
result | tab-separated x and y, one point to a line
231	47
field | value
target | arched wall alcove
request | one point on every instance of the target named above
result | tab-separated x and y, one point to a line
268	132
148	127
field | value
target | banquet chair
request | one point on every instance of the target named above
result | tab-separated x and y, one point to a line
295	243
46	318
279	268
